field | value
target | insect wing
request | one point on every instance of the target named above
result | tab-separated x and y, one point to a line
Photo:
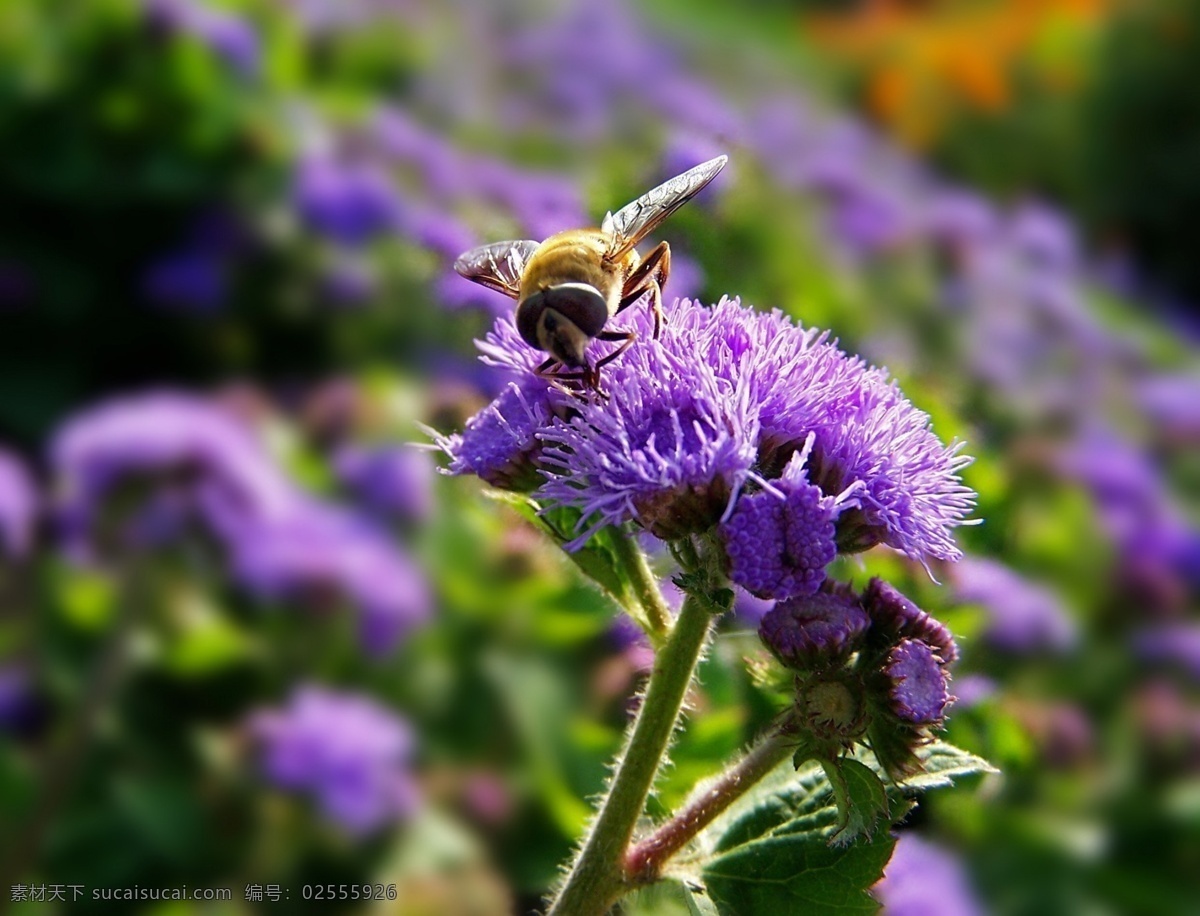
635	221
497	266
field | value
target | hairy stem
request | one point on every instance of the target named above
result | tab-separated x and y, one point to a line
645	585
645	861
597	878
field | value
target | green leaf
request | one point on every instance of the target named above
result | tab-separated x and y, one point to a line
861	798
782	847
597	559
774	851
941	764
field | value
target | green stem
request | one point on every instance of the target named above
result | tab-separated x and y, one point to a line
645	585
596	879
645	861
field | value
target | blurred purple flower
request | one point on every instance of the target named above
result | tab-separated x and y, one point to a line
1176	644
1022	616
395	481
348	202
923	879
351	753
1172	403
349	282
957	217
319	553
972	689
228	36
19	507
182	443
191	279
1044	236
22	709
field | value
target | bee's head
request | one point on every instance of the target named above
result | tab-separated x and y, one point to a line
562	320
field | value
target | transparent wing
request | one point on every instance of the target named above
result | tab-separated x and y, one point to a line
497	266
635	221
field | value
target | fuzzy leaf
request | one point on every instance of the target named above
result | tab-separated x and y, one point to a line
941	764
861	798
772	852
782	847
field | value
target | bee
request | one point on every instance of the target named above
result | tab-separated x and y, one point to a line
569	286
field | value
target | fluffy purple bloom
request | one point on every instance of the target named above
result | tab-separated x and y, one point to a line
500	444
348	202
1023	616
350	753
1176	644
918	693
670	447
181	443
18	507
923	879
394	481
717	407
319	553
817	631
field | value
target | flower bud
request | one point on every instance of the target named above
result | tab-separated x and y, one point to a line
817	632
918	693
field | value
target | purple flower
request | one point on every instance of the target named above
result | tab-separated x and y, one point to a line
226	35
319	553
1173	404
348	202
918	693
1176	644
189	278
180	443
352	754
923	879
18	507
670	447
816	631
396	482
23	710
1023	616
716	409
499	444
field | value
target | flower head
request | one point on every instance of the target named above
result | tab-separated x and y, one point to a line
700	427
349	752
18	507
178	443
319	552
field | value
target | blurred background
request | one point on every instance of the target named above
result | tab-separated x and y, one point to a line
250	639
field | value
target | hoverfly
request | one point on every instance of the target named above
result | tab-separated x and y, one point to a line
570	285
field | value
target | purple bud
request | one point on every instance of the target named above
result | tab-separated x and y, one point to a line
818	631
779	545
18	507
894	616
918	694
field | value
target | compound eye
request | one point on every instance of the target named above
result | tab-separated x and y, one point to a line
580	303
529	313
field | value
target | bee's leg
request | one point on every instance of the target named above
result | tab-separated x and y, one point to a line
628	336
650	275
